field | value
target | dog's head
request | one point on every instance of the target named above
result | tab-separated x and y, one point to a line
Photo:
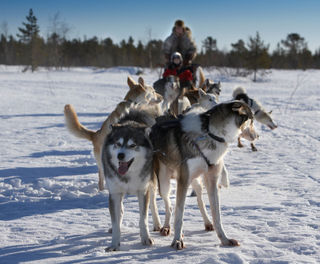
128	146
229	119
141	93
172	88
207	100
211	87
265	118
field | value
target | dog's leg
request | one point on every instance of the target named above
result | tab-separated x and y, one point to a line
197	187
143	197
101	180
239	143
253	147
164	181
116	211
96	153
224	177
211	180
182	188
154	208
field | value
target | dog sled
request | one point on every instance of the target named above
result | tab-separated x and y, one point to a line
196	79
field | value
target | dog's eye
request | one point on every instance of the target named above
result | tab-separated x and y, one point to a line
117	144
132	146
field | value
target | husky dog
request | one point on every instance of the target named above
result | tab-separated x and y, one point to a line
193	145
211	87
205	102
127	163
138	93
260	114
171	92
208	86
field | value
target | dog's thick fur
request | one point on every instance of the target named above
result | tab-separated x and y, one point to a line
137	93
127	164
260	114
193	145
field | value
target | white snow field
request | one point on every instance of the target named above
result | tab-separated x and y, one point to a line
52	212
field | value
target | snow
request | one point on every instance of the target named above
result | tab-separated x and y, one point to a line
52	212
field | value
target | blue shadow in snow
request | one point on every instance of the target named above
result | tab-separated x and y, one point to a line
28	175
53	115
12	210
59	153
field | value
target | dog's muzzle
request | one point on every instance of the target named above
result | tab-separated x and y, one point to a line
124	165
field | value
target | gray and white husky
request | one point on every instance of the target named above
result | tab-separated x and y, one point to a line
193	145
260	114
128	168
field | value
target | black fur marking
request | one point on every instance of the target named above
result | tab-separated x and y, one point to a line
245	98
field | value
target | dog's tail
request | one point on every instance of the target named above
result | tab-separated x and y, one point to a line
74	125
237	91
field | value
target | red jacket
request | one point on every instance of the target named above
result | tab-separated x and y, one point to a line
186	75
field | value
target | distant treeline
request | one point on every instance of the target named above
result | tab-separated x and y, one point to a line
30	49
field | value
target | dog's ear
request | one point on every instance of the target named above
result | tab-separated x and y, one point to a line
201	93
207	84
239	108
219	84
141	81
242	109
131	82
141	87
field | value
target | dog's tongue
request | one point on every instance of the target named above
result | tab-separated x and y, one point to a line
123	167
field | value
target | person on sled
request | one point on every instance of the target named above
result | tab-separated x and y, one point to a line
180	41
176	68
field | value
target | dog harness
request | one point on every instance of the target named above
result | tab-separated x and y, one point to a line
247	100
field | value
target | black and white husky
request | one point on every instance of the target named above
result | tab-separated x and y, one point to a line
193	145
260	114
127	166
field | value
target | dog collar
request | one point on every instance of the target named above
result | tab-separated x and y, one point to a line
219	139
205	127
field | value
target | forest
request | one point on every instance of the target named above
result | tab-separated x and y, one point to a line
56	50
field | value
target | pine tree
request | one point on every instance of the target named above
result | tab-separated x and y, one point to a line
29	34
258	58
210	48
237	57
296	51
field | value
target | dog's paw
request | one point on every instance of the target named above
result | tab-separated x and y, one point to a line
147	241
253	148
112	248
240	146
231	243
209	227
178	244
165	231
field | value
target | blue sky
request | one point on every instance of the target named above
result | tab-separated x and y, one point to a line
227	20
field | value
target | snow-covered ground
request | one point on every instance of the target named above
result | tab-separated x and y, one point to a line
51	210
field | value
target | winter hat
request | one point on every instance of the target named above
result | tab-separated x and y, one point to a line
176	55
179	23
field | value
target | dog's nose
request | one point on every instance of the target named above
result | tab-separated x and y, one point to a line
121	156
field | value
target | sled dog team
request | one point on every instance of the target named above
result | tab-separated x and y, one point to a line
150	139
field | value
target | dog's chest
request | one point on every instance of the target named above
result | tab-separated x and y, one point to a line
130	184
198	165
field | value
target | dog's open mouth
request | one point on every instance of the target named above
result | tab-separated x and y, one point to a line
124	166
